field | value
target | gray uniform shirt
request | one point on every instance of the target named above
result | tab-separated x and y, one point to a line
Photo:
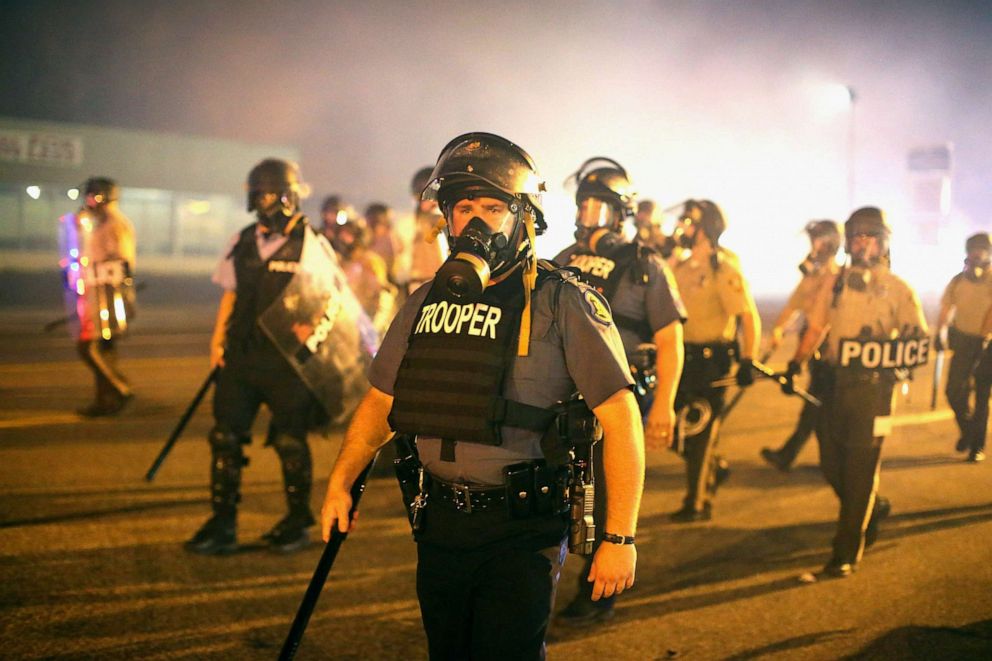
658	302
573	346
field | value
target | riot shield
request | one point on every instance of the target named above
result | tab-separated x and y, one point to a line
319	327
99	296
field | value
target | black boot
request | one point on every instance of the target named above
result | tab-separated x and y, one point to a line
879	512
291	533
216	537
219	534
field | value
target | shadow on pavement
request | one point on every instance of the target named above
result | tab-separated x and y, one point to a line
972	641
788	644
724	554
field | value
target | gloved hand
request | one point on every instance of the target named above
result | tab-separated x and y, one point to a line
788	384
745	373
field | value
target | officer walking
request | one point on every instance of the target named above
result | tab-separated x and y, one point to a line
260	264
98	259
646	309
820	263
718	300
474	365
872	323
966	302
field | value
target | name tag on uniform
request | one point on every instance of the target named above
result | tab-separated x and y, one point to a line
283	267
599	267
478	319
881	354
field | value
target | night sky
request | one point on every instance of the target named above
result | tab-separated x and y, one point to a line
712	99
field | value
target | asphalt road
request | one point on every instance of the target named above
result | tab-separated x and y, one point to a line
91	564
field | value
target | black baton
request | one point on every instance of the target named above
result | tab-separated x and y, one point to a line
730	381
779	378
324	565
181	425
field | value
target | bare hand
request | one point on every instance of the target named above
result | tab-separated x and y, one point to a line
216	355
612	569
660	427
775	339
335	510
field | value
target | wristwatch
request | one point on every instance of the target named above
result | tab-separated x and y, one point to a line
617	539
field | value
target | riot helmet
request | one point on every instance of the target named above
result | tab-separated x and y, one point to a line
979	255
604	198
420	180
475	166
824	239
867	222
277	177
103	190
703	216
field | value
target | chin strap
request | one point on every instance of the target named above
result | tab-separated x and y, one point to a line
530	282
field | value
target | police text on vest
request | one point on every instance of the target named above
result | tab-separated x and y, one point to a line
473	318
881	354
598	267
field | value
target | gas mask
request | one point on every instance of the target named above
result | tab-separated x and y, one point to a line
275	217
975	265
597	225
599	241
475	254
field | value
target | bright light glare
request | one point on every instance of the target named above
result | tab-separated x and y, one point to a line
831	99
34	192
72	193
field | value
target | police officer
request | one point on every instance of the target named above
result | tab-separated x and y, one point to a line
260	263
869	317
646	309
718	300
366	271
472	364
966	302
820	263
98	264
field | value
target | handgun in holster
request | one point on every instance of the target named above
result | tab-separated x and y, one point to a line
579	429
412	478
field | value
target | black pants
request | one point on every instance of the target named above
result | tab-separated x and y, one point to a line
487	604
819	378
244	384
699	425
850	452
101	357
970	374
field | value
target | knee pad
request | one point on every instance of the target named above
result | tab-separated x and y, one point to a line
227	442
287	446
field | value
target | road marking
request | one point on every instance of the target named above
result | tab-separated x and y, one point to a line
40	420
908	419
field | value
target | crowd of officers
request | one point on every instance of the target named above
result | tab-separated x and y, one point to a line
532	387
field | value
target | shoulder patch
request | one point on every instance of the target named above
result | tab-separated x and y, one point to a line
599	310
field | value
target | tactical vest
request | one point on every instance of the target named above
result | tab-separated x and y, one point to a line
450	382
260	283
605	273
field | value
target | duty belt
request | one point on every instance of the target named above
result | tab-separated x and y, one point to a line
468	499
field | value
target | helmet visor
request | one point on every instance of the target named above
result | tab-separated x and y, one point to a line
593	212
